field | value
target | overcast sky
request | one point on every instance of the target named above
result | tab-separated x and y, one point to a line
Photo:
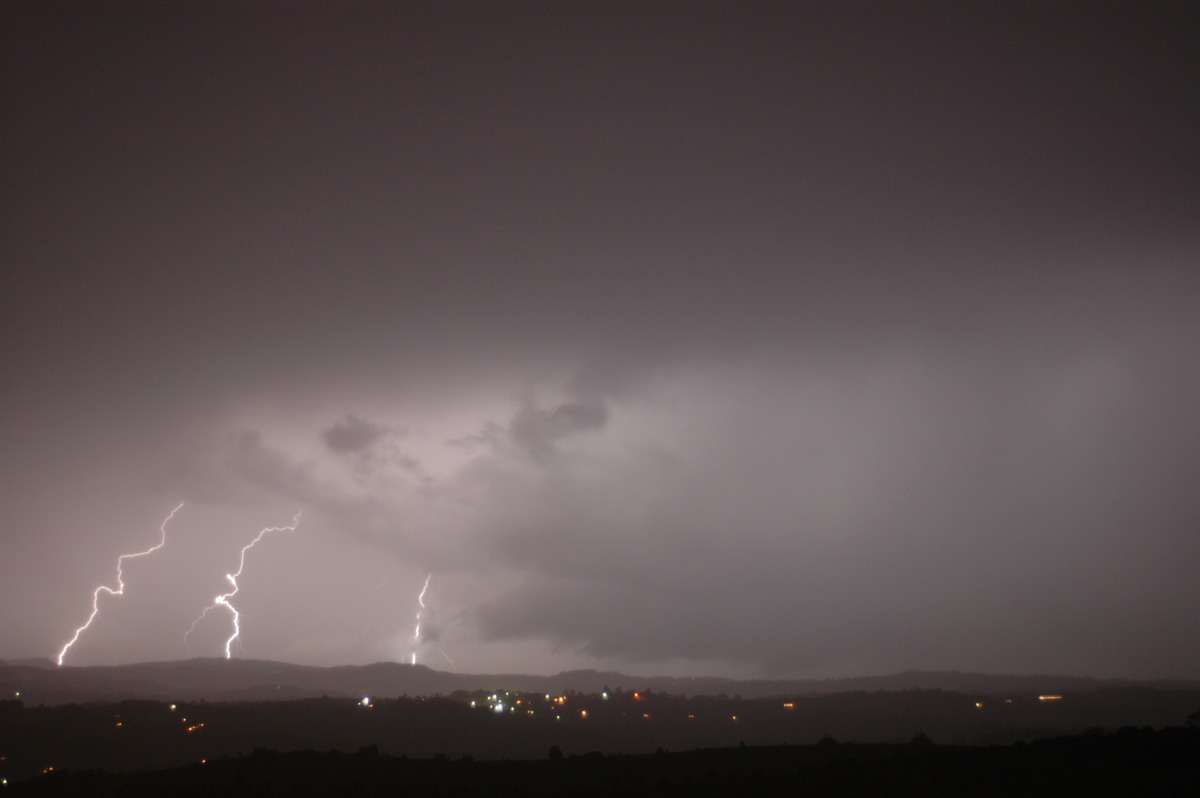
747	339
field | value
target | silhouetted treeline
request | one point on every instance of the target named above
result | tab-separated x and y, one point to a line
1130	761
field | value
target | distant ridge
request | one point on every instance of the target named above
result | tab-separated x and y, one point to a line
32	662
40	682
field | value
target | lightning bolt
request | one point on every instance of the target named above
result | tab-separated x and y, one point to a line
223	600
420	608
119	590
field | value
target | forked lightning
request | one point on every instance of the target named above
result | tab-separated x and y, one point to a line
420	607
119	590
223	600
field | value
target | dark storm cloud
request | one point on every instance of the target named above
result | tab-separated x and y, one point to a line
352	434
788	335
278	474
876	512
535	429
368	445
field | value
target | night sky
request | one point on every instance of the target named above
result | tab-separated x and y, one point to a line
746	339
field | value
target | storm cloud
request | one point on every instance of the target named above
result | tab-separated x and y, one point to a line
779	339
352	434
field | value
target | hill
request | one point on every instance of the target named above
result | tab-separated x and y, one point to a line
41	682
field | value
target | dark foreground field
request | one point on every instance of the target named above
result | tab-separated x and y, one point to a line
1127	762
1113	741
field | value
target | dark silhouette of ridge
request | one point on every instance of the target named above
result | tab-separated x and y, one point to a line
259	680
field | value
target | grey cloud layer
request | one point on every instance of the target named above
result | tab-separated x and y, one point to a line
794	335
769	514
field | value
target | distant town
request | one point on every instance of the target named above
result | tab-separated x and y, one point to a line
40	741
